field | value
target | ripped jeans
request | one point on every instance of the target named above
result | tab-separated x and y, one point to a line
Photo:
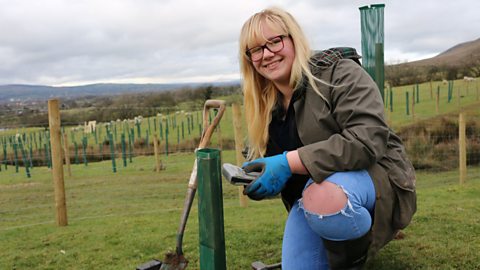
302	246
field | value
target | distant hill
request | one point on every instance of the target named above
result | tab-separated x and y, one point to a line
455	63
41	92
458	55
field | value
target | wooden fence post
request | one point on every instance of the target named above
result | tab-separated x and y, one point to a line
237	124
66	152
57	162
407	99
156	153
112	151
462	148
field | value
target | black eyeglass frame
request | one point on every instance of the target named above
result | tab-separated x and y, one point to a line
265	46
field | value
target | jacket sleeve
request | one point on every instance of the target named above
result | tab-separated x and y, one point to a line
357	107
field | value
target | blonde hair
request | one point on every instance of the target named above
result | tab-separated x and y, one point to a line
260	94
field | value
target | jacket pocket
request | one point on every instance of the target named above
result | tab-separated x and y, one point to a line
405	205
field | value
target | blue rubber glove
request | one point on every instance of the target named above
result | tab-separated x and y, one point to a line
275	173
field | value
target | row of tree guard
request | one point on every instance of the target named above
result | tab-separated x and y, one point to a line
414	97
123	138
30	149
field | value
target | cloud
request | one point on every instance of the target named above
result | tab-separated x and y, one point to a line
67	42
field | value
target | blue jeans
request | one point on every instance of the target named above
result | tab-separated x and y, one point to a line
302	246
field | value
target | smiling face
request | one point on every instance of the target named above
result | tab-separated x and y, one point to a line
277	66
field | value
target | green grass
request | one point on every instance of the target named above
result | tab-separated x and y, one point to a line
119	221
445	232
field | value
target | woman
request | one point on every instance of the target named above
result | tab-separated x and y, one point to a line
317	133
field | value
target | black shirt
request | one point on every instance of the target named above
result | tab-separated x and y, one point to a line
283	136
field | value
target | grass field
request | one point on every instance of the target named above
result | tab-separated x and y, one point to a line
119	221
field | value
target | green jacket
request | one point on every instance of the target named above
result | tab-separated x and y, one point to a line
346	130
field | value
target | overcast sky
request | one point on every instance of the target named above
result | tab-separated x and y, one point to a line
72	42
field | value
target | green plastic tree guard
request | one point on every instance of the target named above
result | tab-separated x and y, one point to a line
115	131
30	155
48	148
24	159
183	131
15	152
191	122
407	102
130	148
161	130
5	154
372	35
210	210
124	150
76	152
166	137
391	99
112	152
379	69
178	137
84	149
148	121
139	135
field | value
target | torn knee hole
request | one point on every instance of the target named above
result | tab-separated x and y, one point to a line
325	198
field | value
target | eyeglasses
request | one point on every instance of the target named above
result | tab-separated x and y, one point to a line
274	45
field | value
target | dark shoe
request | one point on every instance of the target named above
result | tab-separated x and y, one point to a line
350	254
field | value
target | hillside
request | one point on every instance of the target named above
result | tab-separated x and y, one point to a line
455	63
458	55
25	93
42	92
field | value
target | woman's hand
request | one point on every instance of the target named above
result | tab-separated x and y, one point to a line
275	172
